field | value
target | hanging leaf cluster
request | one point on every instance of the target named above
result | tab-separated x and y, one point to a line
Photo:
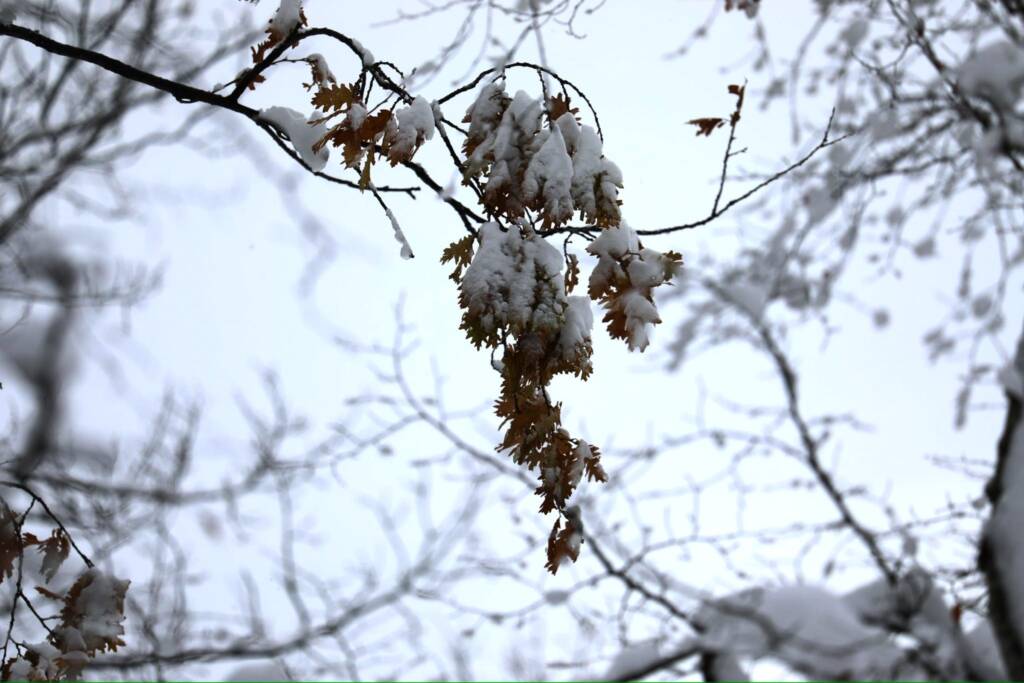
516	300
554	171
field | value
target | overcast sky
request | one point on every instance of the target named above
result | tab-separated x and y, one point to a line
238	294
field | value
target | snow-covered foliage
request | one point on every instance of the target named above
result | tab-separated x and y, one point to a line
40	662
408	129
321	71
91	616
995	72
286	19
548	177
304	134
512	287
514	297
556	170
807	628
623	280
94	611
825	636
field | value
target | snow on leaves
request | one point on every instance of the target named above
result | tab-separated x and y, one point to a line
288	17
515	298
304	134
623	280
395	131
91	610
91	623
554	171
54	550
93	614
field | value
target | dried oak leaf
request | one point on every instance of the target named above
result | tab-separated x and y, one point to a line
334	98
562	544
572	273
364	175
707	125
55	550
592	466
460	253
374	125
558	105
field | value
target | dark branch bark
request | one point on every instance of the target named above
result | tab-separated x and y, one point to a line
1001	596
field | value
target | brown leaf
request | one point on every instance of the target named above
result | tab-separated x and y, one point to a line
461	254
334	98
572	273
561	545
55	550
558	105
374	125
707	125
364	177
738	91
49	593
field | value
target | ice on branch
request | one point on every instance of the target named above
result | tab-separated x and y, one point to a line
406	251
623	280
303	134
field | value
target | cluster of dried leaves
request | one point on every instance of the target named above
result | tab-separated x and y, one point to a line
536	348
91	608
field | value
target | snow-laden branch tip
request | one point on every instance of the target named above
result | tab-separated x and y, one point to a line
406	251
302	132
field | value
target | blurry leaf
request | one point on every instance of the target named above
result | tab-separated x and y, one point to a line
707	125
10	542
49	593
562	544
55	550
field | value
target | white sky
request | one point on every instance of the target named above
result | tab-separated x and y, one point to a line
234	257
